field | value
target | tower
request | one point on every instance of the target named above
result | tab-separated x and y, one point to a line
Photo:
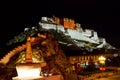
28	56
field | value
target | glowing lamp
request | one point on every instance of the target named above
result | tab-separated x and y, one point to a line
102	59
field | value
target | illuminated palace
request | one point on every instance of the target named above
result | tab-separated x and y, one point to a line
71	34
76	36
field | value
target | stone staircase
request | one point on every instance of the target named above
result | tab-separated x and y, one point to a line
16	50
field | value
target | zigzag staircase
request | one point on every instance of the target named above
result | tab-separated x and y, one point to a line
7	57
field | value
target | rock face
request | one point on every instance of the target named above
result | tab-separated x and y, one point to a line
52	53
48	47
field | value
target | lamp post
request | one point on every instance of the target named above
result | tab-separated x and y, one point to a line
102	63
102	60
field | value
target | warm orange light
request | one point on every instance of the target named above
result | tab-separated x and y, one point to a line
102	59
102	68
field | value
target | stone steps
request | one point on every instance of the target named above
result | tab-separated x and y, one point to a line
7	57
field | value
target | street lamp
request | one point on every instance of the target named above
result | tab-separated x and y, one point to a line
102	62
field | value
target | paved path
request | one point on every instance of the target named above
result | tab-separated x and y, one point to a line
105	75
115	77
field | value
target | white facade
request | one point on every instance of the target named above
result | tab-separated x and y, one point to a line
48	26
86	35
95	37
77	35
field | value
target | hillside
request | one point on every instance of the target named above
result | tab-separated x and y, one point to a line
50	50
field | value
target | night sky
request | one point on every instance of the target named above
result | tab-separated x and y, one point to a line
101	16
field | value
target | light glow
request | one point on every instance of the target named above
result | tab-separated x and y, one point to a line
102	59
27	73
28	70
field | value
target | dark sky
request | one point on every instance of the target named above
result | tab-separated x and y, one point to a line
102	16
